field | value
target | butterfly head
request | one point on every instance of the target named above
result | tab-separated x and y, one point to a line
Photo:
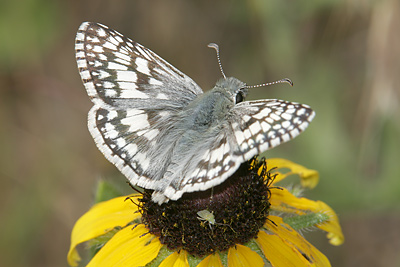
232	88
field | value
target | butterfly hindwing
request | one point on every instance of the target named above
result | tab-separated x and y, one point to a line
265	124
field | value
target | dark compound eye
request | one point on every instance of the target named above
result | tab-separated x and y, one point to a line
239	97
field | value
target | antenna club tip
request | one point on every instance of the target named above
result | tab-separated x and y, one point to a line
212	45
287	80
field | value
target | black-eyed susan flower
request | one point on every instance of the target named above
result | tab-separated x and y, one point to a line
232	224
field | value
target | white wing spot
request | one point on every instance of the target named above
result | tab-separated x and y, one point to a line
217	154
251	143
108	85
269	120
130	91
260	138
122	61
286	116
142	66
123	56
116	66
90	88
126	76
246	118
255	128
98	64
134	112
95	40
143	160
78	46
103	74
82	63
153	81
131	149
80	36
275	117
110	131
102	57
80	54
239	137
101	32
303	126
247	134
301	111
136	123
118	38
274	142
129	86
110	93
295	132
85	75
227	160
285	137
262	114
271	134
110	46
286	124
162	96
265	126
121	142
112	114
151	134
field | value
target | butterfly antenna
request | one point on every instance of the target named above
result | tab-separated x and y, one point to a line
215	46
285	80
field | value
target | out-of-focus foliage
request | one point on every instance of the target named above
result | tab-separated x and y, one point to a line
344	59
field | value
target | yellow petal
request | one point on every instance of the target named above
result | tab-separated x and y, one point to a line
128	247
282	200
176	259
309	178
242	256
283	246
212	260
100	219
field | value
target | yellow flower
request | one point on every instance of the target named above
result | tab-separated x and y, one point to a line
139	241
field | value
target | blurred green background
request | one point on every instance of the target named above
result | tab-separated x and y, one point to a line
344	59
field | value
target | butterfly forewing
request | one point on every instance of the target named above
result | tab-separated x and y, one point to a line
136	94
122	72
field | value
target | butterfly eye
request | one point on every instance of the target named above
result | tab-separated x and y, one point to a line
239	97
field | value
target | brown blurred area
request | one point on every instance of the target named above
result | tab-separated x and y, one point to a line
344	59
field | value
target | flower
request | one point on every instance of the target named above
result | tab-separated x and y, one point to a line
207	230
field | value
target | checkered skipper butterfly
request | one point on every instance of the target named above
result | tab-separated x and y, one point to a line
160	130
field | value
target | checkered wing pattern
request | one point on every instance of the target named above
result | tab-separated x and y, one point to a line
136	96
252	128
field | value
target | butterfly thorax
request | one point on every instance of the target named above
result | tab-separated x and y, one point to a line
208	109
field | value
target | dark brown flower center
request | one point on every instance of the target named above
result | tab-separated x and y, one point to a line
230	213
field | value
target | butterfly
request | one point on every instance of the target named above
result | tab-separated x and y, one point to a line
159	128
